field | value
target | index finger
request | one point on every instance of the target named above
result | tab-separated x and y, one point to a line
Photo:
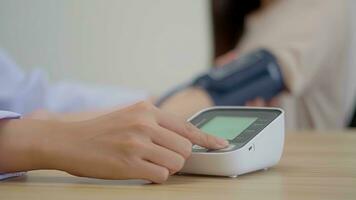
189	131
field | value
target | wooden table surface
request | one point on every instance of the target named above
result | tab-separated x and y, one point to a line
314	166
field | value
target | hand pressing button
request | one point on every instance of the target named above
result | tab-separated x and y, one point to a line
197	147
228	148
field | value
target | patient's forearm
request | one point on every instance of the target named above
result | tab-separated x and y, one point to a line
187	102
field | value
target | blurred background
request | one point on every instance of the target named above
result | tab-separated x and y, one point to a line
151	45
121	42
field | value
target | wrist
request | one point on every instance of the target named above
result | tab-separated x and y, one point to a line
187	102
24	144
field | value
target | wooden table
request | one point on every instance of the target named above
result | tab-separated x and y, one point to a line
314	166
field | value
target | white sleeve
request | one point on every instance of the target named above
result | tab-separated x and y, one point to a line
308	37
25	92
9	115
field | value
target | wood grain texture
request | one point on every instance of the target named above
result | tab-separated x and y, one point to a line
314	166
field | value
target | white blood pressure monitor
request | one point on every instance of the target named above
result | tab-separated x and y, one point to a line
255	135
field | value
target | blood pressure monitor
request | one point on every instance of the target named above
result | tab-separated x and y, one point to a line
255	135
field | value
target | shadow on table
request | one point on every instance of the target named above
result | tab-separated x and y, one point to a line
61	178
73	180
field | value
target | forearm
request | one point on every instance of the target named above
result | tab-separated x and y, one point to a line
187	102
22	144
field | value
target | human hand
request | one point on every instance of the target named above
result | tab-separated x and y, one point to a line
137	142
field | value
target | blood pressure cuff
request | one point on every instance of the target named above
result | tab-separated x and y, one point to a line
254	75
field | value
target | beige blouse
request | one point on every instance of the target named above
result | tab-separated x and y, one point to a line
310	39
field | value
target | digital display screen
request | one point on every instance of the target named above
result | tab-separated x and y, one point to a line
227	127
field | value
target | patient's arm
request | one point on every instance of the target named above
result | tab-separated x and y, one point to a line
187	102
184	104
192	100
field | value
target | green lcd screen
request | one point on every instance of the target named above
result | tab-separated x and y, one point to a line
227	127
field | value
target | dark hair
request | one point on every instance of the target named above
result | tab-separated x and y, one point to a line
229	22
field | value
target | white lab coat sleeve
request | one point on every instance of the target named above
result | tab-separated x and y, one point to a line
9	115
25	92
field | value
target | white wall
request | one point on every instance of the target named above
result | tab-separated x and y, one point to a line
150	44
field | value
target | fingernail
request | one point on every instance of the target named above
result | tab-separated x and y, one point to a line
222	142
